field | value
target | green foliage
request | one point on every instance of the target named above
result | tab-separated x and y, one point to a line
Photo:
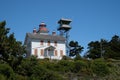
27	66
10	50
99	67
6	72
114	47
20	77
79	66
37	69
95	49
66	58
75	48
65	66
37	72
104	48
34	69
2	77
49	75
14	67
77	57
3	41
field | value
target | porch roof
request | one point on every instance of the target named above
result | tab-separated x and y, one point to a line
50	48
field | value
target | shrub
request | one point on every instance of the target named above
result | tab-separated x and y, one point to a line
65	65
50	75
6	71
99	67
78	57
2	77
20	77
66	58
79	66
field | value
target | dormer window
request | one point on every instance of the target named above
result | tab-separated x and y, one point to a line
55	43
41	42
48	43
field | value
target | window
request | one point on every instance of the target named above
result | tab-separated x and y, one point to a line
42	52
48	43
56	53
35	52
41	42
55	43
61	52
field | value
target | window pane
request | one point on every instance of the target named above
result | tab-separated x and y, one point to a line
48	43
55	43
41	42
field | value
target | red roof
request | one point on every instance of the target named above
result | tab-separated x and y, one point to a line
43	29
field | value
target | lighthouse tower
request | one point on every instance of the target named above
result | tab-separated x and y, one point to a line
64	28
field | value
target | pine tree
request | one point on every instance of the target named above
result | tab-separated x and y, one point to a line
11	50
75	48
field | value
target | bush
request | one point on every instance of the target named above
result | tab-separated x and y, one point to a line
20	77
66	58
2	77
79	66
78	57
50	75
99	67
65	66
6	71
40	72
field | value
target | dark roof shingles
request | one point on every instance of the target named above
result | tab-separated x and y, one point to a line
46	37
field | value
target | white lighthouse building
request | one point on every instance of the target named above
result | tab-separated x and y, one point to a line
44	45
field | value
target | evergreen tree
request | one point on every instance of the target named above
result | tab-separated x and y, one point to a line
4	41
104	48
114	48
75	48
10	50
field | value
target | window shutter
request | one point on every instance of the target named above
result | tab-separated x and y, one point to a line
61	52
56	53
42	52
35	52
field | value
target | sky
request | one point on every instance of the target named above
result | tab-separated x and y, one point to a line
91	19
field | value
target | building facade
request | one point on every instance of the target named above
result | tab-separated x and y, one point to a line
44	45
